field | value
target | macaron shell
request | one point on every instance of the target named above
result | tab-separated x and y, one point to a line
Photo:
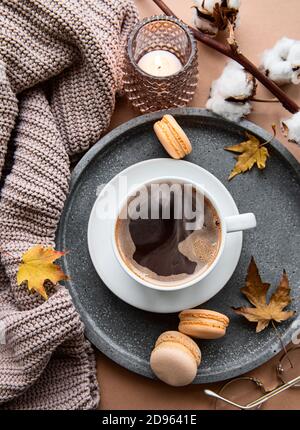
196	314
201	331
176	128
168	142
203	323
172	137
173	364
181	340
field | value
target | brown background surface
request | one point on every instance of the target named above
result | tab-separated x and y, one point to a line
262	23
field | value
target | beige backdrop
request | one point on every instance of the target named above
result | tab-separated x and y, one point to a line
262	23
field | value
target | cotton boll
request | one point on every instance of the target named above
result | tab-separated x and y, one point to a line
231	110
283	46
209	5
204	24
294	54
280	72
209	19
296	77
294	60
234	4
291	128
230	94
282	62
235	82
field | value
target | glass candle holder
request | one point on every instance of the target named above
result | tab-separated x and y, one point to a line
161	64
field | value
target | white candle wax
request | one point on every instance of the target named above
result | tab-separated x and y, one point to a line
160	63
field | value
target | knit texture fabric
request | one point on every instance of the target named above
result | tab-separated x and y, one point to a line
60	68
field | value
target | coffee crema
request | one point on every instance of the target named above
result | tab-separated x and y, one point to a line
165	251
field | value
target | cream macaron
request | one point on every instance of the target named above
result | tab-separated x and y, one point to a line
203	324
175	359
172	137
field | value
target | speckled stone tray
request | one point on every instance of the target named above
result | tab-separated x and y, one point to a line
126	334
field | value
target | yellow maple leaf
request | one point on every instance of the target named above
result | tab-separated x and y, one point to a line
252	152
37	266
256	292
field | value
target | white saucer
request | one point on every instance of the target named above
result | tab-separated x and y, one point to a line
120	283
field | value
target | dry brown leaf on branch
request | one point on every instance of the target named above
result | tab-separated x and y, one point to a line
252	152
256	292
37	266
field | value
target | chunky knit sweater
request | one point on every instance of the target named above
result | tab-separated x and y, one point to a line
60	67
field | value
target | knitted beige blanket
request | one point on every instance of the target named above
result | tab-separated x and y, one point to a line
59	72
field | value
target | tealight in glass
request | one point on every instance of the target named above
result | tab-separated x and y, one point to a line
161	64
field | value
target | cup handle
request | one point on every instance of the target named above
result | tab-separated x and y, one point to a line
240	222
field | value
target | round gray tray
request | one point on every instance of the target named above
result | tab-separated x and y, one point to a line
126	334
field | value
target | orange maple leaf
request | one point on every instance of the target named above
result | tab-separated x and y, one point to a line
37	266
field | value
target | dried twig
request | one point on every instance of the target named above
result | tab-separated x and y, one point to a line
227	50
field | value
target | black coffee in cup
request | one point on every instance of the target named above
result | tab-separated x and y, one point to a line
168	234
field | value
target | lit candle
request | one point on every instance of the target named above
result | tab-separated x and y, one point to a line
160	63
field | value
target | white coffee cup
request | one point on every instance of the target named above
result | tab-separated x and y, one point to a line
229	224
